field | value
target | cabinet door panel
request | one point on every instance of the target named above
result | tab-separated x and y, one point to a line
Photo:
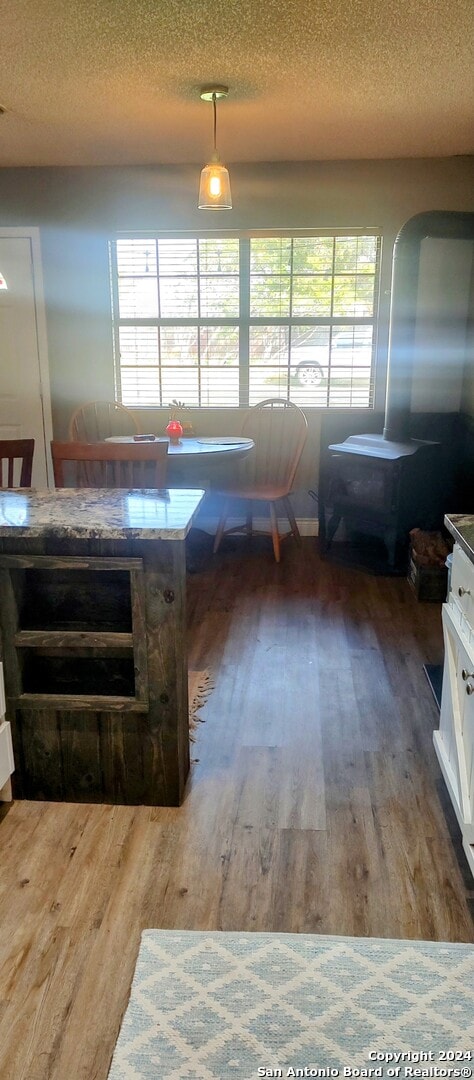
450	700
468	748
457	721
462	584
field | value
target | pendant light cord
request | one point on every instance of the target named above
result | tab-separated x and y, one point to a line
214	99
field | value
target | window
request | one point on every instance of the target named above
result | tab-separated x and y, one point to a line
227	321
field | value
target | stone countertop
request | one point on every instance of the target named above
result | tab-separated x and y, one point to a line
461	527
98	514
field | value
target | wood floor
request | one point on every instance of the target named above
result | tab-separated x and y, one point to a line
316	806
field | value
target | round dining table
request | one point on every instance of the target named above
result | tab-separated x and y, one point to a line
190	456
189	449
213	446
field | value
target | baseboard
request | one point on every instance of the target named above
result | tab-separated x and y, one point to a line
307	526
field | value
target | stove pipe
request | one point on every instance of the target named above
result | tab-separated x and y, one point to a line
436	224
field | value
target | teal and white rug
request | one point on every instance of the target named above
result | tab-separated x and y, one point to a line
212	1006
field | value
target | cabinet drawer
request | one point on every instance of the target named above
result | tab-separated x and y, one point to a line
6	753
462	584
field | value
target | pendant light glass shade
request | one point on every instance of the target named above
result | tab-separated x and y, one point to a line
214	187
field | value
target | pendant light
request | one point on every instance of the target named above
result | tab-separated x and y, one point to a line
214	188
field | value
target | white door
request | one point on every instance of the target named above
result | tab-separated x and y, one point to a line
25	408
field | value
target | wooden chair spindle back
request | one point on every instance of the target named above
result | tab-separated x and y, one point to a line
98	420
120	465
16	462
279	430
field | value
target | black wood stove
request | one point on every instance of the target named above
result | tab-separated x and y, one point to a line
381	490
381	486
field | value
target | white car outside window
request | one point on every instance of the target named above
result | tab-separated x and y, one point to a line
309	363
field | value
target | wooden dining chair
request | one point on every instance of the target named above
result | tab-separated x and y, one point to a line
120	465
97	420
16	462
279	430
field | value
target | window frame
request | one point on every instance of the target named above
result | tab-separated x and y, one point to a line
245	320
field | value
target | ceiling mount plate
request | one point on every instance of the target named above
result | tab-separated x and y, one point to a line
207	93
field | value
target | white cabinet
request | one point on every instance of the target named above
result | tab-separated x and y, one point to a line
454	742
6	749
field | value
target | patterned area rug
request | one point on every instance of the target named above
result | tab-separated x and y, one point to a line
200	684
209	1006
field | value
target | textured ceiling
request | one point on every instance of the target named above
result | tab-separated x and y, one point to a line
116	81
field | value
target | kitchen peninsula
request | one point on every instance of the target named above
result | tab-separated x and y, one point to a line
93	642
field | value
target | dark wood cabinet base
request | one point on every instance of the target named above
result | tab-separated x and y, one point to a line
93	643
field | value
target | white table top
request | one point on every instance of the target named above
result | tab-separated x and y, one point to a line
207	447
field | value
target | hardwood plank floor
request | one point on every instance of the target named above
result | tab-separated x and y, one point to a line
316	806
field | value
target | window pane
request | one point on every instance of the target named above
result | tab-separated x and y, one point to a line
312	296
219	297
309	394
177	258
181	384
270	268
355	254
313	254
179	345
367	249
138	345
219	366
270	296
179	298
136	257
351	379
353	295
137	284
351	345
136	262
269	362
177	268
140	386
309	363
268	345
270	255
349	386
138	298
219	256
139	370
219	278
220	346
267	382
310	337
